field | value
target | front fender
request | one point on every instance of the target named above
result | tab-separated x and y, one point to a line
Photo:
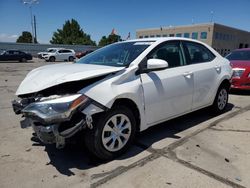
122	85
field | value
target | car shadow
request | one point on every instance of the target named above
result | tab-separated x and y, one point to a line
75	155
171	128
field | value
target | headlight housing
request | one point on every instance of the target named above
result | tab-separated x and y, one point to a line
55	110
237	72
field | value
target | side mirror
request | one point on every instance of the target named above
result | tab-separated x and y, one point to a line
156	64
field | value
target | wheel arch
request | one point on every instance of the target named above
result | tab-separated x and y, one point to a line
131	105
225	82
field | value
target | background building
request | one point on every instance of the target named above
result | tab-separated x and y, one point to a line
222	38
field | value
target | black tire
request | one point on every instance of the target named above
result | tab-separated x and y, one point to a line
23	59
52	59
94	137
71	58
221	100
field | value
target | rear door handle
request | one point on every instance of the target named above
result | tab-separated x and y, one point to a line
188	74
217	68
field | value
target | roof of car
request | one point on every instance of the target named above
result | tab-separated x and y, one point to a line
161	39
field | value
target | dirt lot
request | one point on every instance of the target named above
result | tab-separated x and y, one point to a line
197	150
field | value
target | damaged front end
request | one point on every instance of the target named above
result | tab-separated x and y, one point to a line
57	117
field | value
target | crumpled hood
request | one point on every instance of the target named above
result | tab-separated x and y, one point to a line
52	75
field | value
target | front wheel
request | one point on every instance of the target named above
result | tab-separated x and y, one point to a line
52	59
221	99
112	134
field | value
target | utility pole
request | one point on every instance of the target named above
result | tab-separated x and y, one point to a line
35	40
30	3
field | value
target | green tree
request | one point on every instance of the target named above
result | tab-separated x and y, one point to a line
26	37
112	38
71	33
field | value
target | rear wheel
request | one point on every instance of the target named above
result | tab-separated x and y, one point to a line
71	58
112	134
221	99
23	59
52	59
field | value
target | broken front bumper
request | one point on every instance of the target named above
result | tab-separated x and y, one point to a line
55	129
50	134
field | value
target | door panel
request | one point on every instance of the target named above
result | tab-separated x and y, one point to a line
205	80
167	93
206	73
60	55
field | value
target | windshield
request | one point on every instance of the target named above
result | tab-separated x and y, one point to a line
118	54
239	55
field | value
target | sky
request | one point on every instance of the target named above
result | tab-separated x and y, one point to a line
98	17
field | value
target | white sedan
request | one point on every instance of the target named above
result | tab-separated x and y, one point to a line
123	88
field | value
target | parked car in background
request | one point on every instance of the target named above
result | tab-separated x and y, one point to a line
15	55
41	54
60	55
83	53
122	88
240	61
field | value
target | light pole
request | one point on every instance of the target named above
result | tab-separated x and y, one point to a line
30	3
212	16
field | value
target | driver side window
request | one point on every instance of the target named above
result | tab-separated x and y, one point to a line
170	52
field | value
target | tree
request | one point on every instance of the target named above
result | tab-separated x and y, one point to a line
112	38
26	37
71	33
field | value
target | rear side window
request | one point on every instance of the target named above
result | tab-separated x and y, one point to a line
197	53
67	51
16	53
64	51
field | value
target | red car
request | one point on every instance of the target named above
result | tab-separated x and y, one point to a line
83	53
240	61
